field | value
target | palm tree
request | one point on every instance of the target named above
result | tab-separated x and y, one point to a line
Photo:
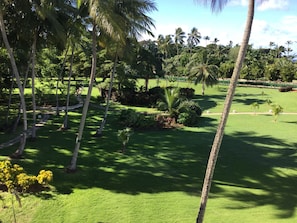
217	5
20	150
276	109
289	43
215	41
165	45
193	38
137	22
271	44
54	29
206	38
118	20
201	71
172	99
179	38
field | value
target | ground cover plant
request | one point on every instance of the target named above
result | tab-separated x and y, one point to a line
159	177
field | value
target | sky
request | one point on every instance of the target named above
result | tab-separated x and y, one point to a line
274	21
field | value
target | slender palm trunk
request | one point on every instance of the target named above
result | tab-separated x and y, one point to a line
59	78
228	101
100	130
203	87
147	78
20	150
65	123
33	86
72	166
9	102
16	123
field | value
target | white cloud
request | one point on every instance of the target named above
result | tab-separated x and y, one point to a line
239	2
263	4
279	32
289	22
273	4
260	26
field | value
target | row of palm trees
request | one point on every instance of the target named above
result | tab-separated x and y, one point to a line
193	39
110	21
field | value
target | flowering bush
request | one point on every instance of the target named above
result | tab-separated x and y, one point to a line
13	177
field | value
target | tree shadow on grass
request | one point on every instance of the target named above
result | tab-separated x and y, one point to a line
259	163
207	102
172	160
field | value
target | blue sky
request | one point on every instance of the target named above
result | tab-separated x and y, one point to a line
274	21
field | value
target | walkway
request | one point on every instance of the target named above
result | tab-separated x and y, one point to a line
46	111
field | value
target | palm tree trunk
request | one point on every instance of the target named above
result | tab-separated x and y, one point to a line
9	102
72	166
16	123
203	87
99	130
65	123
20	150
228	101
59	78
33	86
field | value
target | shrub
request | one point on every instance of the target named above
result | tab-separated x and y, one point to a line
189	105
189	113
44	177
13	177
285	89
158	91
189	118
124	137
131	118
187	92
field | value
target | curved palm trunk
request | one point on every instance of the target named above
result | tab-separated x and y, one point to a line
228	101
65	123
72	166
20	150
33	86
16	123
100	130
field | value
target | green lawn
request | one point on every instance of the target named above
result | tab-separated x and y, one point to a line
160	177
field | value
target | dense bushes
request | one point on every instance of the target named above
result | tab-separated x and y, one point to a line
285	89
131	96
178	110
188	113
131	118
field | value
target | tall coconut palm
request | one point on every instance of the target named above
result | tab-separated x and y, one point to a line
117	19
201	71
289	43
179	37
215	41
193	38
137	22
99	12
45	19
165	45
217	5
206	38
21	148
33	84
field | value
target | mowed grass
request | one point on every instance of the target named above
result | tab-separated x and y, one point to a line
160	177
